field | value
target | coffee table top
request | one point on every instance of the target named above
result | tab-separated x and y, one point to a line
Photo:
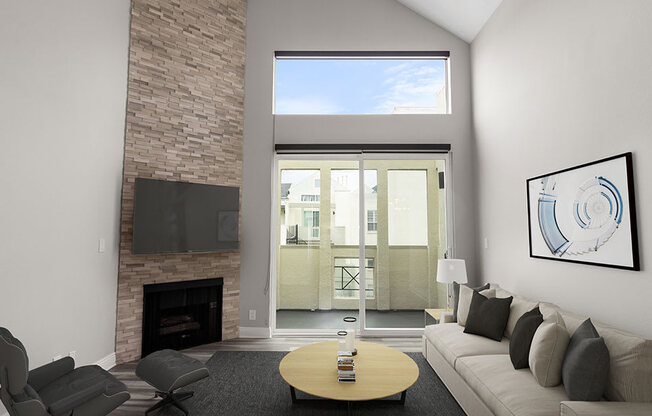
380	371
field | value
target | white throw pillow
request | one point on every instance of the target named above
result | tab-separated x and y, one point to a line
548	350
466	294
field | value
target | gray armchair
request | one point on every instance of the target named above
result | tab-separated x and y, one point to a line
55	389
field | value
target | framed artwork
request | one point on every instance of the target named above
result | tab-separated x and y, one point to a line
585	214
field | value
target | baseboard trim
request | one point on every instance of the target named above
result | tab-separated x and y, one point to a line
255	332
106	363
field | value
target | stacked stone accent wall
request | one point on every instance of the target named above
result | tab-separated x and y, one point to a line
185	117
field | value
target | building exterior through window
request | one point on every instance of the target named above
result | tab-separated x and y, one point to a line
318	248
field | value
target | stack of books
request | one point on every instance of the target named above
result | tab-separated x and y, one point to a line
345	367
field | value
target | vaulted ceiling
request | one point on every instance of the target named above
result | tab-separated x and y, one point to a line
464	18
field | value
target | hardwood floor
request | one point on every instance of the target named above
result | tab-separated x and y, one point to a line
142	394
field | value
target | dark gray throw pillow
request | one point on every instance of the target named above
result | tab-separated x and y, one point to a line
585	370
456	296
521	340
488	316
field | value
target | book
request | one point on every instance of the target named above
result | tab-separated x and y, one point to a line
345	367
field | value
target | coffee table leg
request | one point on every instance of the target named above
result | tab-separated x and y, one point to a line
294	394
400	401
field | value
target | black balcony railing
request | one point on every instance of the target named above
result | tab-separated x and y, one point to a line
292	234
347	278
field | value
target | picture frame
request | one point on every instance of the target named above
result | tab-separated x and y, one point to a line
585	214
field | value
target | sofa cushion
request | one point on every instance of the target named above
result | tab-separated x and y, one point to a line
508	392
74	388
605	409
456	296
630	368
520	305
451	341
487	317
630	356
521	340
571	320
466	295
547	351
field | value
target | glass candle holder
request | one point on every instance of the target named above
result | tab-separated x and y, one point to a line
350	327
341	340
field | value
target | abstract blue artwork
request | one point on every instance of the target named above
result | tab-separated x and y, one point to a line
585	214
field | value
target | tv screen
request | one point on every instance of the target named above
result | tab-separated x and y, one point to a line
181	217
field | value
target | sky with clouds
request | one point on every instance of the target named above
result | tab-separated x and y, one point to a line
369	86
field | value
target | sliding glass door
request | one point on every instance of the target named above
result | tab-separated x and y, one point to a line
407	215
358	236
317	247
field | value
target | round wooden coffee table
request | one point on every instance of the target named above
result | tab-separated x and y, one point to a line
380	372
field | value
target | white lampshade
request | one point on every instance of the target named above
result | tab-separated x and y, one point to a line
451	270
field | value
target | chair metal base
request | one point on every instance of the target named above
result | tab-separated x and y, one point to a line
173	399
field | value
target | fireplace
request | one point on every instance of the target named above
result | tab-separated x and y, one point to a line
181	315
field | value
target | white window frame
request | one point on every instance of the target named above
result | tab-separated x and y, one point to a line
312	227
368	332
375	217
349	55
310	198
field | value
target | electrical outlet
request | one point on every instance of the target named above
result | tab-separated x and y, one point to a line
252	314
101	245
486	243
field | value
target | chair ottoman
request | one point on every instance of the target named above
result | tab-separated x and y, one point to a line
168	371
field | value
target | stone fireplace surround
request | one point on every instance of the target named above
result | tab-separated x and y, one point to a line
185	120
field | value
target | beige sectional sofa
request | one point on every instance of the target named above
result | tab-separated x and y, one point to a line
479	373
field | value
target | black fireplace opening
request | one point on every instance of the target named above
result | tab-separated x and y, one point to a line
181	315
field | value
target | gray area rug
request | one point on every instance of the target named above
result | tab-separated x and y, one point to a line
248	383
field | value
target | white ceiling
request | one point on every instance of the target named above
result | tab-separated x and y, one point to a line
464	18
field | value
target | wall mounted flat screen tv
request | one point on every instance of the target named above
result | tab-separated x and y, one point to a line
181	217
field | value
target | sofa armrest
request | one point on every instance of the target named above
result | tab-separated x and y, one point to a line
446	318
605	409
46	374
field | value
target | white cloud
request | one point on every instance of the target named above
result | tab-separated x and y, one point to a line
410	85
397	68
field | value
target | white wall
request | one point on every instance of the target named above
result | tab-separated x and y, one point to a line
63	84
557	83
339	25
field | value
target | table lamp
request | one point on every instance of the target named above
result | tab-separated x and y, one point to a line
449	271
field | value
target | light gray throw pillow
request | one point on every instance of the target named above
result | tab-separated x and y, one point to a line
456	296
548	349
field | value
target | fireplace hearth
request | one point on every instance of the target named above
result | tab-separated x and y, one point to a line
181	315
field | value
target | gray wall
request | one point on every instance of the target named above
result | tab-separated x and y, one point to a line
340	25
557	83
63	79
